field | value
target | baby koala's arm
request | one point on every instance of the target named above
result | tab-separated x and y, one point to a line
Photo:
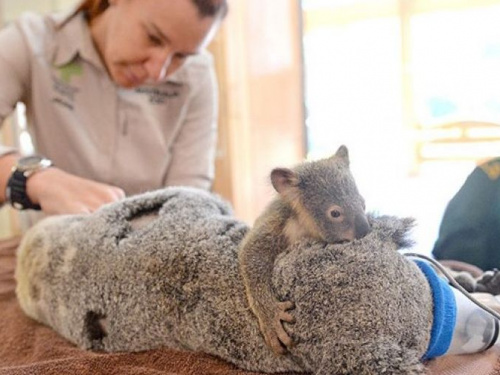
258	253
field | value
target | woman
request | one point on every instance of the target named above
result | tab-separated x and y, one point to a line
120	97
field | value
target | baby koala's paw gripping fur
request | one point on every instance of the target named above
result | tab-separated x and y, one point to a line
271	326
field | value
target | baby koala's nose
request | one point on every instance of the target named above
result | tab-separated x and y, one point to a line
361	226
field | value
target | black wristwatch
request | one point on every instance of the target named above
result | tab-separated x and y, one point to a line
16	186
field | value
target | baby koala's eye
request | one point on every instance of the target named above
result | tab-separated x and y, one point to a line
336	213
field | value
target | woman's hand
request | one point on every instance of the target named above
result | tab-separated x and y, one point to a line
59	192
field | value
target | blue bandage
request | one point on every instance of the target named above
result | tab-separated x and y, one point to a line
445	312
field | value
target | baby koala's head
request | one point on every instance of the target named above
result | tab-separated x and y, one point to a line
324	197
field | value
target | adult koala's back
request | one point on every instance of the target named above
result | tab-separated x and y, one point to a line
160	269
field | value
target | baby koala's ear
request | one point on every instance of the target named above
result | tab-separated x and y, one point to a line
343	154
283	179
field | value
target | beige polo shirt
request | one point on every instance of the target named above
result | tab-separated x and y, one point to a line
137	139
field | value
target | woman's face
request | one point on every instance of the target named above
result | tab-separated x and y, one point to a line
144	41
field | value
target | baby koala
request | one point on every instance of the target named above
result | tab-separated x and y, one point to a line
317	200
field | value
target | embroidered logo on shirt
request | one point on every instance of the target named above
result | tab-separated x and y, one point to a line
63	93
156	95
66	72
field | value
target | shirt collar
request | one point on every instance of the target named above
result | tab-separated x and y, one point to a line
73	38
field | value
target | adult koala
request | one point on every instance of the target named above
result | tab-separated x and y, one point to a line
161	269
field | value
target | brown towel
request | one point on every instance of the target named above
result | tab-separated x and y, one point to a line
27	347
486	363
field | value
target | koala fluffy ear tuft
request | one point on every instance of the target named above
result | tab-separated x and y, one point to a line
343	154
283	179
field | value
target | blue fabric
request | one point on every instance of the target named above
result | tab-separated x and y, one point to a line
445	312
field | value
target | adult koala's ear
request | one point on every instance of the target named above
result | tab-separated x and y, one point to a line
284	179
342	154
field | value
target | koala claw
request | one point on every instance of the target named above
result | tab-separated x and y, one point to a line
283	313
274	334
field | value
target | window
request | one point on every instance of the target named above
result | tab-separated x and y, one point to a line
410	86
455	80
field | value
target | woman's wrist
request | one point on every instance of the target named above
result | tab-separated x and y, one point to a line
7	162
17	184
39	182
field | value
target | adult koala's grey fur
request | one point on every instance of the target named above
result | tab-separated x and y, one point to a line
160	269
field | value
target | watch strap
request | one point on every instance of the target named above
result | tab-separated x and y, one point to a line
16	192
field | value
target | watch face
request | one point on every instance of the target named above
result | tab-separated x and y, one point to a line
33	162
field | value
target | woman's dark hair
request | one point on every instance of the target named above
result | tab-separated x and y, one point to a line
206	8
